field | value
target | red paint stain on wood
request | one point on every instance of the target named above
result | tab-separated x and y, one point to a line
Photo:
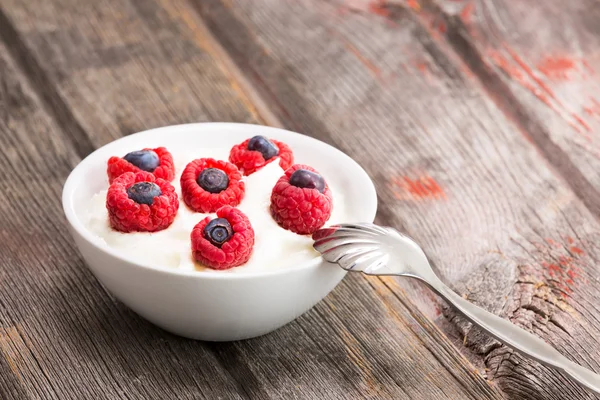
434	25
418	65
550	93
423	187
557	67
441	27
587	66
466	14
583	123
378	8
593	109
562	271
375	7
518	75
563	275
505	65
421	66
523	74
530	72
576	250
552	268
414	4
373	69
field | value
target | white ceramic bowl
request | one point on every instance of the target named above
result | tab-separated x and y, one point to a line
210	305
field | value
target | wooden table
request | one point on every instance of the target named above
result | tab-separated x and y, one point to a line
478	121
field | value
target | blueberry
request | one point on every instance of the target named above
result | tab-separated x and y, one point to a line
306	179
264	146
218	231
143	192
213	180
146	160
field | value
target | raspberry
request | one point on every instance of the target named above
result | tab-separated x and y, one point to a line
164	170
207	193
250	161
141	202
297	202
231	242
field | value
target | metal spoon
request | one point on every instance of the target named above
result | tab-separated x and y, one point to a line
377	250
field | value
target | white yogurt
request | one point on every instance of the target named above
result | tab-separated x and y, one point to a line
274	247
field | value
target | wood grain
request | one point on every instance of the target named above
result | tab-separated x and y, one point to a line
549	74
77	75
60	333
453	169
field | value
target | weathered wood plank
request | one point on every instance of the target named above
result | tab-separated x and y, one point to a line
136	47
114	71
452	169
373	341
61	334
11	386
542	59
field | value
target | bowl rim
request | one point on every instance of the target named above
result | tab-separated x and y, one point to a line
69	188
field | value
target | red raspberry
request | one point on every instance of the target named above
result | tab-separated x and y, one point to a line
250	161
229	191
154	208
236	245
304	206
165	169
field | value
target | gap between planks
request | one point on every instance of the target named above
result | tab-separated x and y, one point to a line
468	55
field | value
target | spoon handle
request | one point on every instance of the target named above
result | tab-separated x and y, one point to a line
517	338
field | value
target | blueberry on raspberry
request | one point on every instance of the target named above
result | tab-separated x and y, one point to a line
264	146
303	178
141	202
224	242
218	231
253	154
213	180
301	200
143	192
208	184
146	160
157	161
